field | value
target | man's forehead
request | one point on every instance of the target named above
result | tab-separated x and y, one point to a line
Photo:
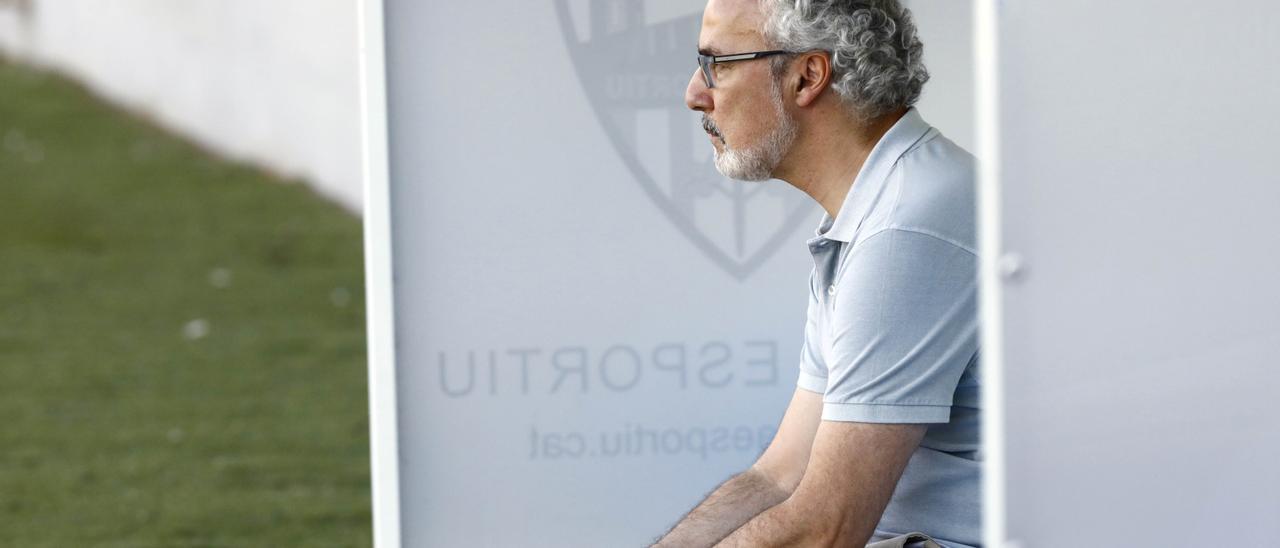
730	24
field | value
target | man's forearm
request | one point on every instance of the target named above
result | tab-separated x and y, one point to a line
732	504
782	526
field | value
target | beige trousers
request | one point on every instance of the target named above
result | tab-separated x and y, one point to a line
910	540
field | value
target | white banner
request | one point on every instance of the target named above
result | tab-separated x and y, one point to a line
593	328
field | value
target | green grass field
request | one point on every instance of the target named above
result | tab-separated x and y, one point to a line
181	339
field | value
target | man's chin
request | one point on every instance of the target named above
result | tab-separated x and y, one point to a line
736	170
747	178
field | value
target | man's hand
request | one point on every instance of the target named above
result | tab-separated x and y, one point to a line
771	480
819	483
850	477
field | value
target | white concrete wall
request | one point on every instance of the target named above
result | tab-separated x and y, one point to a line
273	83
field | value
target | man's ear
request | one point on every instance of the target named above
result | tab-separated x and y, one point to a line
814	76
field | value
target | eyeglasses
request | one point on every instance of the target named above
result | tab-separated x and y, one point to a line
705	62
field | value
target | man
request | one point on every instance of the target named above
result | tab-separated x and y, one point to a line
881	436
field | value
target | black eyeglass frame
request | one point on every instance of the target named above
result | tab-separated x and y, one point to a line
705	62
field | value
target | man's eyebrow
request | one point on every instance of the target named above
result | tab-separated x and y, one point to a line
708	50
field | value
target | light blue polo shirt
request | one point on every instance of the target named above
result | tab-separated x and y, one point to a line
892	330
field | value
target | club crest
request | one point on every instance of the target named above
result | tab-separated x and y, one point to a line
634	72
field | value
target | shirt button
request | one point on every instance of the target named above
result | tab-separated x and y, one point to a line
831	289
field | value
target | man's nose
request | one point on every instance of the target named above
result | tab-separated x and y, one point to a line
697	96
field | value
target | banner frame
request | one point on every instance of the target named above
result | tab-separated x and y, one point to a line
986	66
384	450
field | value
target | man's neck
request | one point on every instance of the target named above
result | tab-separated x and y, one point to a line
825	159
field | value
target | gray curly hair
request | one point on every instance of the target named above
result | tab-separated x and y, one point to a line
876	57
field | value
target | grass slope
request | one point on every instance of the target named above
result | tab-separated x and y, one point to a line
181	340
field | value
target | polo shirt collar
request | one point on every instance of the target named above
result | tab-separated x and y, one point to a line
871	178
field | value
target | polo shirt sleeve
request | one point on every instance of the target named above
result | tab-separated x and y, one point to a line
903	327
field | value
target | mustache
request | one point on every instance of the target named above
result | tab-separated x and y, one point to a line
710	127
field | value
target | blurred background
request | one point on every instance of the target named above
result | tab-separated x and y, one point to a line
182	346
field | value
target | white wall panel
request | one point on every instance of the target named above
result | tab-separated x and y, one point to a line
1139	192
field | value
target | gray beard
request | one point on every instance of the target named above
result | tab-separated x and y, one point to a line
758	162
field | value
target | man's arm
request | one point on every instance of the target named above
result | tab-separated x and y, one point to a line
768	482
732	504
851	476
